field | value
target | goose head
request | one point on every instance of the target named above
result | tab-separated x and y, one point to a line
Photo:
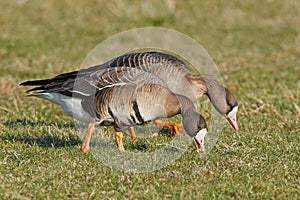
231	109
195	126
221	98
225	103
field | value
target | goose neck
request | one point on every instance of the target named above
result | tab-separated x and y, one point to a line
186	105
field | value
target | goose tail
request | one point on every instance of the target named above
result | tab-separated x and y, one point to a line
36	82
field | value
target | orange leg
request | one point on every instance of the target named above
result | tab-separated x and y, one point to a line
119	139
175	127
86	143
132	133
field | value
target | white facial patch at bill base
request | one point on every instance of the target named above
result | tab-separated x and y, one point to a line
231	117
201	134
233	112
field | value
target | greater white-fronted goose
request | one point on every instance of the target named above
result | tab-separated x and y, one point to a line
175	74
118	97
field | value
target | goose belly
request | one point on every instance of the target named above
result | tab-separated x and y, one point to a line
71	106
153	102
136	114
150	112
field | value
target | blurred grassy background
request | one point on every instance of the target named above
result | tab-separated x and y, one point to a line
255	44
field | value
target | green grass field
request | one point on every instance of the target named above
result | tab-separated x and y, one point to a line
256	46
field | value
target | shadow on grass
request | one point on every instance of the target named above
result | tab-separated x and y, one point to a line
26	122
42	141
55	141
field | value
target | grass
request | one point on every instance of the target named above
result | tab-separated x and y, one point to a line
256	47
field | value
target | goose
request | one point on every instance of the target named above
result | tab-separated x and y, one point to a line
119	97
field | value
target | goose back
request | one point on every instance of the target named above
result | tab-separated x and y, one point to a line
169	68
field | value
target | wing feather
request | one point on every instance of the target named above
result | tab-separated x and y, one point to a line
85	81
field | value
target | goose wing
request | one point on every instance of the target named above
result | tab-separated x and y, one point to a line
115	77
146	60
169	68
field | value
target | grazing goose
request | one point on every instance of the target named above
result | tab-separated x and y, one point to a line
119	97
